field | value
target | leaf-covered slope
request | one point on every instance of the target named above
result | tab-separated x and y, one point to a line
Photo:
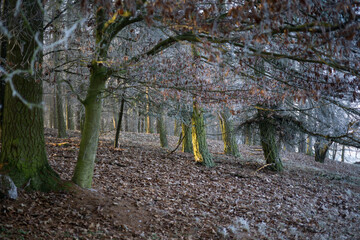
142	192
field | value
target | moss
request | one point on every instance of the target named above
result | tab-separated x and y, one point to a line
230	145
268	141
201	152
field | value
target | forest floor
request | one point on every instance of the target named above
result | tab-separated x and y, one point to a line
140	191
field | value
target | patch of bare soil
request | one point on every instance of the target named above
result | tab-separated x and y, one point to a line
142	192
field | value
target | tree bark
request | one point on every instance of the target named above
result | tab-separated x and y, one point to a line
60	110
90	136
59	90
186	135
3	47
302	143
69	114
230	145
248	135
201	152
23	149
54	109
161	128
148	119
177	128
126	120
343	154
321	149
268	141
334	151
309	145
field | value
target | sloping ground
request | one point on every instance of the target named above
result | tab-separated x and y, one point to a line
142	192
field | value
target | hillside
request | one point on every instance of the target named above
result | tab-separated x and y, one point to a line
140	191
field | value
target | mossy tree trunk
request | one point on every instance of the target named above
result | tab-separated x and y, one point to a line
248	135
177	127
3	46
161	128
186	131
309	146
268	140
90	135
148	118
201	151
321	148
230	145
106	30
23	146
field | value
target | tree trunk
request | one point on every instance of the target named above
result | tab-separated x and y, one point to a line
60	110
177	127
302	143
118	128
186	131
54	109
161	128
268	141
3	47
201	152
139	121
90	136
105	30
126	120
51	117
343	154
23	145
59	90
309	145
334	151
230	145
80	113
248	135
69	114
321	148
148	120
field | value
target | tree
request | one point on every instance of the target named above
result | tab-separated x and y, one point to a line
267	127
23	146
69	114
148	118
118	127
3	44
230	145
186	135
321	148
176	127
160	123
106	29
201	152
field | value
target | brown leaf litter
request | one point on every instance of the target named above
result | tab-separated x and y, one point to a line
141	192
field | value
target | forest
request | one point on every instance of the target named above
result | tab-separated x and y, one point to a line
179	119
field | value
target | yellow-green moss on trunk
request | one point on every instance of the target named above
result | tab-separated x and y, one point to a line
201	152
23	145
